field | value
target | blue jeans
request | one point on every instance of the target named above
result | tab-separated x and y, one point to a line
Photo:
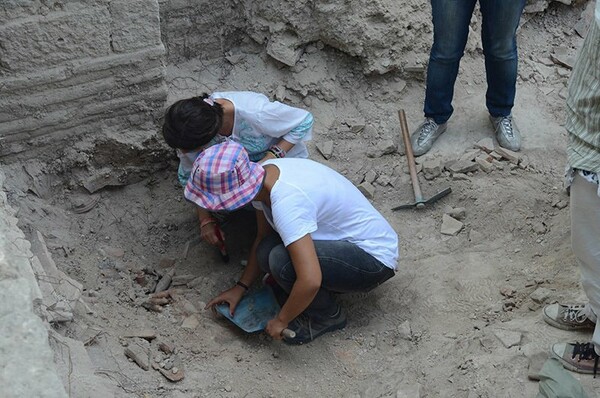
450	31
345	268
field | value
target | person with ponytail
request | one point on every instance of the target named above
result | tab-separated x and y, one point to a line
266	129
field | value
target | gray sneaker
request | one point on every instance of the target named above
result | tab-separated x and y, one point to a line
308	328
568	317
507	133
425	135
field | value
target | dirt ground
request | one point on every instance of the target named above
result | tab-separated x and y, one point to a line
442	324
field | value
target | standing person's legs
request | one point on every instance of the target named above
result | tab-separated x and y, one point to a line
498	35
585	233
585	240
450	31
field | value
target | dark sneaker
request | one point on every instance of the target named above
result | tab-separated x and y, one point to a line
577	357
507	133
425	135
308	328
568	317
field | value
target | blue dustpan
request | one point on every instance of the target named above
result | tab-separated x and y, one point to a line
253	311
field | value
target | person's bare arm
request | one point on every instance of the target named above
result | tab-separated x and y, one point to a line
283	144
208	226
308	282
251	272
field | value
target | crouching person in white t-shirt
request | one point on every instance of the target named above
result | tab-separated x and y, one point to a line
317	234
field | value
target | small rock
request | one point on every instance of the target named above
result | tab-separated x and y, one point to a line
469	156
280	93
367	189
484	164
357	128
460	177
463	166
507	291
234	59
432	169
563	56
508	338
561	204
486	145
458	213
450	226
138	355
539	227
370	176
384	180
384	147
495	155
174	370
509	155
404	331
325	149
191	322
540	295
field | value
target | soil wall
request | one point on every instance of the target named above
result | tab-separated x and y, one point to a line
77	67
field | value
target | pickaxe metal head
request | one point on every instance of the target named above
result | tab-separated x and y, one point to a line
420	202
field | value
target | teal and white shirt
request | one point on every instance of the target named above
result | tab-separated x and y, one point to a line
258	124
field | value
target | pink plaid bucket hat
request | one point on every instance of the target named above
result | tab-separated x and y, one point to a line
223	178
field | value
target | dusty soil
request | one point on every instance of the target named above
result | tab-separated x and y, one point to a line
440	322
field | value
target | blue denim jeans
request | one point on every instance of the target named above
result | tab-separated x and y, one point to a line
450	31
345	268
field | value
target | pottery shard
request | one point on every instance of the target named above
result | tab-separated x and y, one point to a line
450	226
138	355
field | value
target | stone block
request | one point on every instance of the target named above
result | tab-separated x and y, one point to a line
135	24
41	42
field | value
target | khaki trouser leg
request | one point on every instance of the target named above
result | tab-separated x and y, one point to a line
585	239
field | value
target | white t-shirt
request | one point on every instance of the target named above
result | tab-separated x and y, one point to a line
310	198
258	124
